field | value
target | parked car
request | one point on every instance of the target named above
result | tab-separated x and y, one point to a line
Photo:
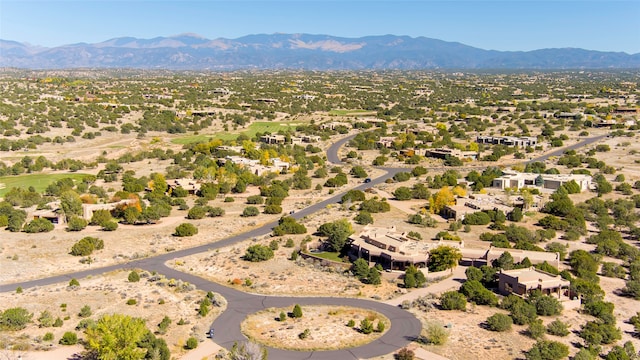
367	180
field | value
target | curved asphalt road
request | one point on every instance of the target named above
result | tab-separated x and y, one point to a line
404	329
404	326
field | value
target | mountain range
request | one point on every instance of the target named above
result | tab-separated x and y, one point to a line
300	51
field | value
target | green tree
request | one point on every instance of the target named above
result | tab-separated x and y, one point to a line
413	278
366	326
250	211
337	233
557	328
547	350
257	252
185	229
197	212
101	217
403	193
360	268
297	311
547	305
117	336
86	246
443	258
39	225
363	218
373	277
76	223
191	344
134	276
453	300
477	293
499	322
71	204
536	329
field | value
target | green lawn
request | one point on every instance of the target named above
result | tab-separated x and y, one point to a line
256	127
351	112
333	256
38	181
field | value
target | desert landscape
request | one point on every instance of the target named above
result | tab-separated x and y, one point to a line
251	193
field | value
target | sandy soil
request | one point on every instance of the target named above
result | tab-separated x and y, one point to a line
108	294
327	328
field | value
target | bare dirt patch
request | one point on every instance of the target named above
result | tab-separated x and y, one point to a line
326	325
108	294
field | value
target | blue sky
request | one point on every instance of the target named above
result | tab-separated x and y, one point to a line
516	25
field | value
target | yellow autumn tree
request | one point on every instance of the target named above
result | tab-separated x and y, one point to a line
459	191
442	198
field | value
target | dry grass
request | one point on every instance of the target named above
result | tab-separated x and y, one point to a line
327	327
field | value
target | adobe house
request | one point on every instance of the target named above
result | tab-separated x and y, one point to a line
392	249
523	281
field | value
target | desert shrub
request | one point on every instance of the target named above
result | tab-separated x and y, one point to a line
557	328
134	276
351	323
305	334
453	300
405	354
436	333
597	333
272	209
250	211
197	212
216	212
132	302
547	350
85	324
69	338
547	305
257	252
74	282
255	200
86	246
477	218
185	229
192	343
38	226
76	223
536	329
363	218
499	322
297	311
48	337
45	319
353	196
374	206
109	226
85	311
366	326
477	293
14	319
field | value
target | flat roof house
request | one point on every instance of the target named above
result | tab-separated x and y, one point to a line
523	281
392	249
518	180
521	141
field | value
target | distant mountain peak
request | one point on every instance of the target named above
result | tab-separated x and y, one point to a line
300	51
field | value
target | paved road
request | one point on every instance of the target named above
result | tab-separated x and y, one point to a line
404	329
